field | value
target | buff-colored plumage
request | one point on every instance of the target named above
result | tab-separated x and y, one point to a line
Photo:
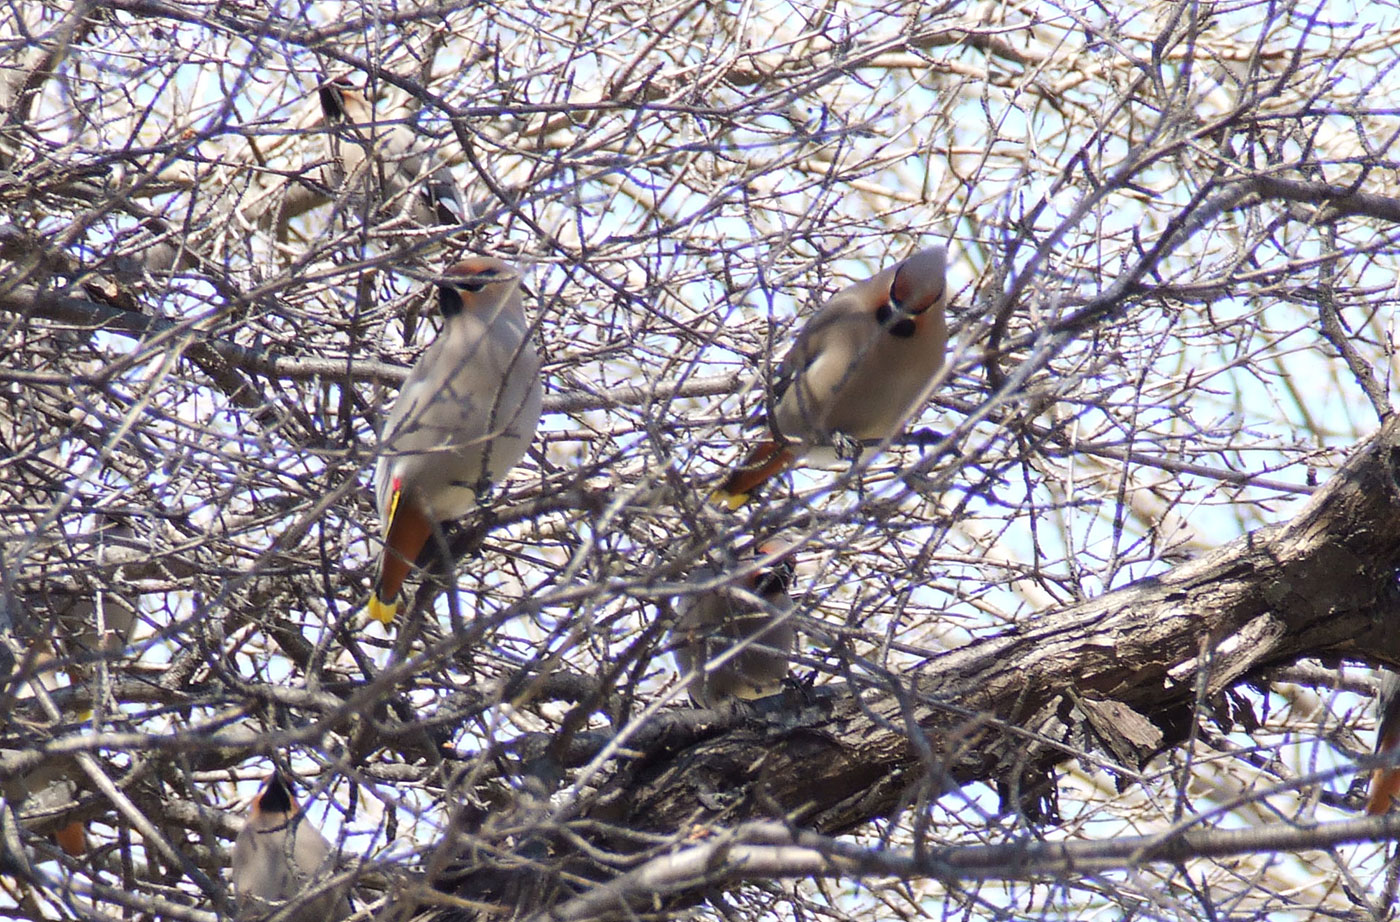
277	854
465	416
856	370
382	158
72	630
731	647
1385	782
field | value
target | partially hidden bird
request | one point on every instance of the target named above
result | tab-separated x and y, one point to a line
277	854
465	416
74	628
1385	782
383	156
731	647
855	371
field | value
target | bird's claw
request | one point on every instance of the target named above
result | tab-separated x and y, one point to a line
847	448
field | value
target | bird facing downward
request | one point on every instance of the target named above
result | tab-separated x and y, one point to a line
1385	782
710	625
276	854
464	418
855	371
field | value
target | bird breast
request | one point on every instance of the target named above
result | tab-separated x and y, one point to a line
465	416
863	380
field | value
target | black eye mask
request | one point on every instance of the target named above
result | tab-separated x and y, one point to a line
776	580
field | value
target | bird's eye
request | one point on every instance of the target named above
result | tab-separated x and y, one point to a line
777	579
332	104
902	327
894	298
473	285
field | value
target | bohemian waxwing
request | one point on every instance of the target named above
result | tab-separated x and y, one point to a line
710	625
276	854
465	416
856	370
1385	782
74	628
44	791
101	623
383	157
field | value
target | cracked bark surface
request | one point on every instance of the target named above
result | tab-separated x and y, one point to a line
1118	675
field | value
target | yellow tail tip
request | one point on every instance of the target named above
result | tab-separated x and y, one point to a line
383	612
730	501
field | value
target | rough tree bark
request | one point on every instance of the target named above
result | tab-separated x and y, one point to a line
1116	678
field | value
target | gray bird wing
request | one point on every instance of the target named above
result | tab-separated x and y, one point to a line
466	413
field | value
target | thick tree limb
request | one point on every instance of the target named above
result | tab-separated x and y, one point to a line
767	850
1125	670
1320	585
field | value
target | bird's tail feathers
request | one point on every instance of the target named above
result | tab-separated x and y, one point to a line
408	531
72	838
1385	784
767	460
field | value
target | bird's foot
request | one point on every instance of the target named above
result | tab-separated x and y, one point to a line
846	447
485	492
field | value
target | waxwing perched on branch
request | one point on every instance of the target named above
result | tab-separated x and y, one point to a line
730	646
73	629
463	419
856	370
276	854
383	157
101	623
1385	782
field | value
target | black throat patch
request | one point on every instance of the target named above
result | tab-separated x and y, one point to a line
901	328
